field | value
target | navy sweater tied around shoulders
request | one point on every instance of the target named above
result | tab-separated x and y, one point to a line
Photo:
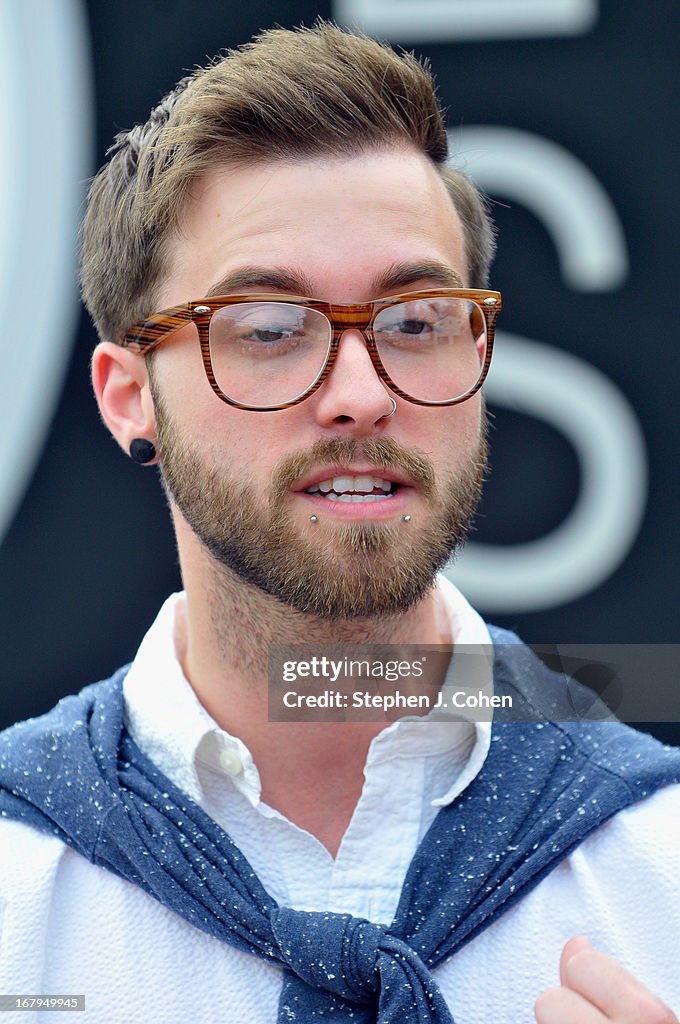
544	787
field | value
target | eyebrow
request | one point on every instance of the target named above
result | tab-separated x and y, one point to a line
295	282
400	275
281	280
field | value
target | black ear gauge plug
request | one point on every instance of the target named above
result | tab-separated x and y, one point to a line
142	450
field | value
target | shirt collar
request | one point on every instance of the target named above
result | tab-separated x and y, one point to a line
168	722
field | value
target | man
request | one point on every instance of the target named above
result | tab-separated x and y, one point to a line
322	450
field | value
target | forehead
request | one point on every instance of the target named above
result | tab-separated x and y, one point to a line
337	222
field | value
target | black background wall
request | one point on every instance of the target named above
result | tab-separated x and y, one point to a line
88	555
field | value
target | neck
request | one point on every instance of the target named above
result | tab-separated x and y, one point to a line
310	771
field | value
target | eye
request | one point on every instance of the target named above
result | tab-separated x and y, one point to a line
411	327
269	334
263	326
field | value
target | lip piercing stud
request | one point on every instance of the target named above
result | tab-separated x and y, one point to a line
407	518
314	519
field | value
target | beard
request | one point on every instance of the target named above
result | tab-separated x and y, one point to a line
333	570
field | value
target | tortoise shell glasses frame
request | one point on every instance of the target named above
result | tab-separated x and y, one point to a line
145	335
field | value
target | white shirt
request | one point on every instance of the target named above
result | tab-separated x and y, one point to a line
68	927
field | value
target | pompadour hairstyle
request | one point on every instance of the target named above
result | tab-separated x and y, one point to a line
301	93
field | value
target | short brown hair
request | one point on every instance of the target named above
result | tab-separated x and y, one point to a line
301	93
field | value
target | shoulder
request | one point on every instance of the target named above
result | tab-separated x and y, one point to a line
29	860
622	887
643	838
29	867
52	774
578	720
68	715
28	745
27	857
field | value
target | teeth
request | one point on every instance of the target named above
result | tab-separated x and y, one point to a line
331	496
348	486
358	497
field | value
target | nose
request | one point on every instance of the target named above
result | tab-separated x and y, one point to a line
353	393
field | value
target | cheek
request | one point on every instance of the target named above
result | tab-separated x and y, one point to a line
458	429
178	371
249	444
246	442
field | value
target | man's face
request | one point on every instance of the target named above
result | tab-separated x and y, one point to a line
341	230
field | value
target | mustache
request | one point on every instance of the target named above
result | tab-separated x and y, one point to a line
383	453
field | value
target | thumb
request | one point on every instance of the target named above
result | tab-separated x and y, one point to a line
576	944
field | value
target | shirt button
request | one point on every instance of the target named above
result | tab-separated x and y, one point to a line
231	762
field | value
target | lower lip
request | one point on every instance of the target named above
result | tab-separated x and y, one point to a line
358	510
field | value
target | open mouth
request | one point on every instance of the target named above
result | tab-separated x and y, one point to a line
363	488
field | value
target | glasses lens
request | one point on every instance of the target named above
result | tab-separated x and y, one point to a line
267	353
433	348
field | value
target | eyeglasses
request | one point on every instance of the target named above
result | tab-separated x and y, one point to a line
268	352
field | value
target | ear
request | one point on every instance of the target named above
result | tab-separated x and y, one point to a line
121	384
